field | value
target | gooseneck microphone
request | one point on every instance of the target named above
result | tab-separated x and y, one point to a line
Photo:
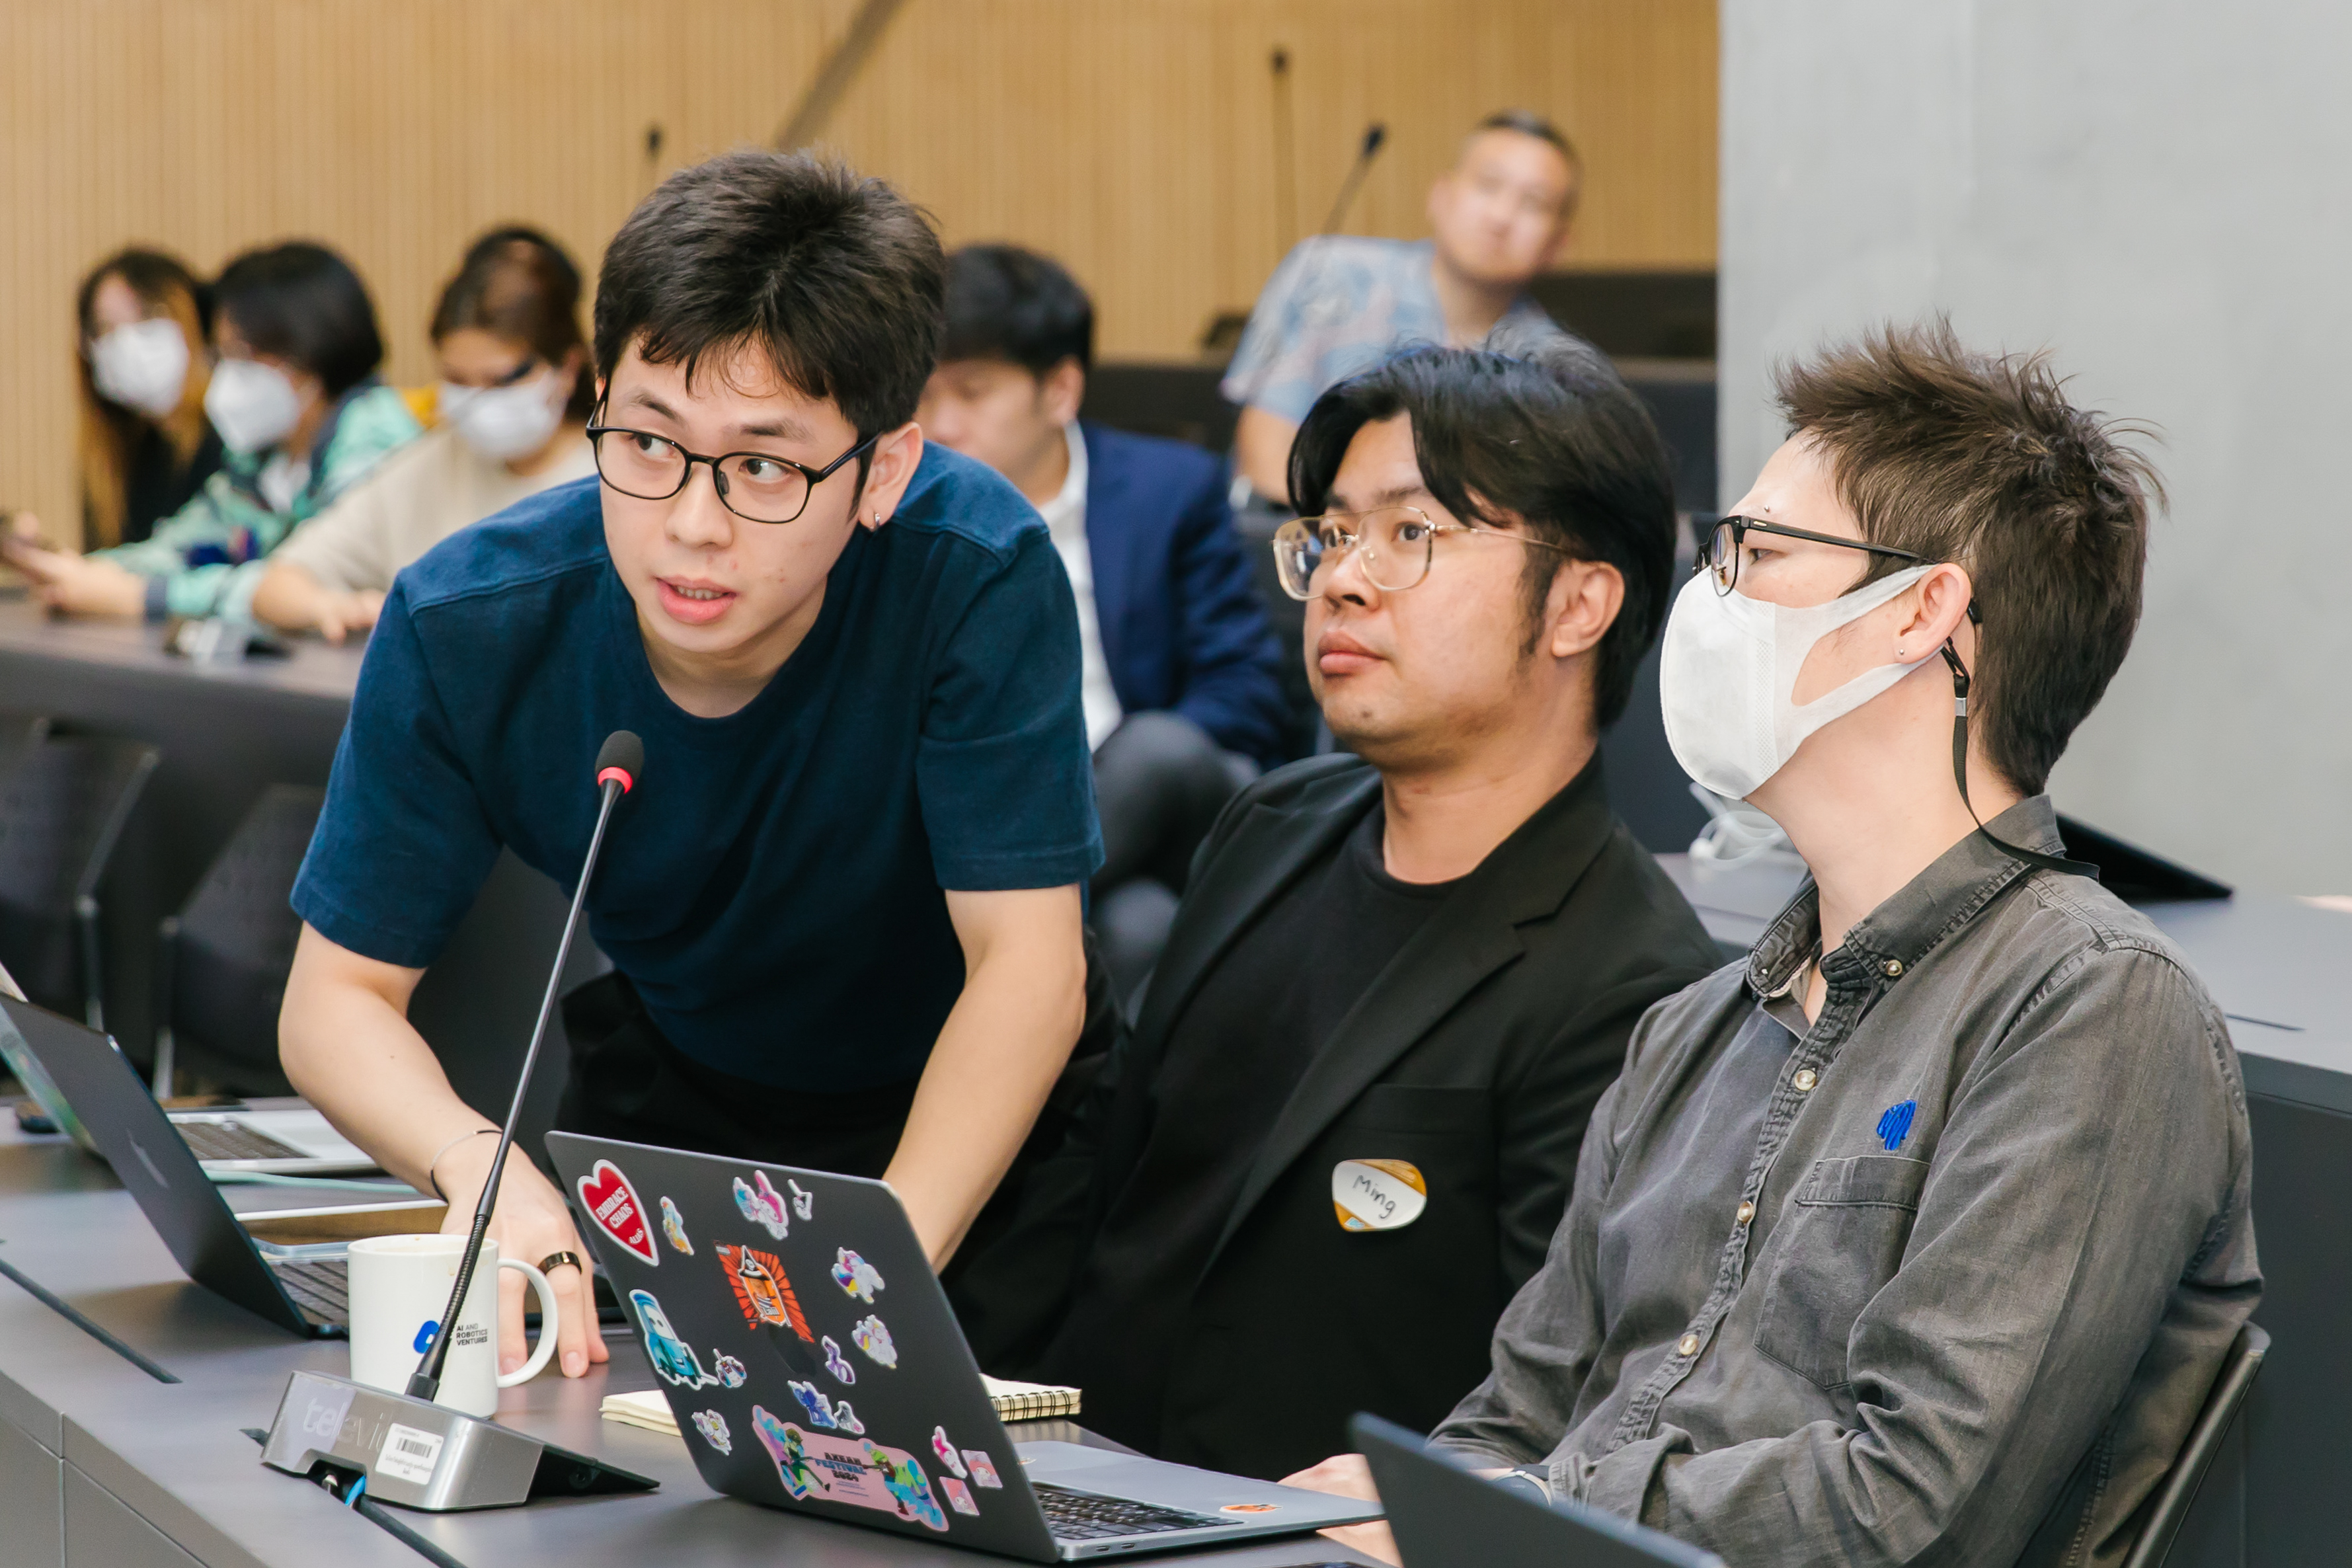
618	763
1374	134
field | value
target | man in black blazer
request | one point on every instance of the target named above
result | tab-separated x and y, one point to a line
1180	675
1347	1121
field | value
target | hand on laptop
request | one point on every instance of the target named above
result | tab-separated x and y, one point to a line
1347	1474
530	1223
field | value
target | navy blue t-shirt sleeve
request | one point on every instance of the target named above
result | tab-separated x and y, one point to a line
1006	784
403	845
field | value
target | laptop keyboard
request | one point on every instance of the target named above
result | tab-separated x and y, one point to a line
1090	1516
322	1288
233	1141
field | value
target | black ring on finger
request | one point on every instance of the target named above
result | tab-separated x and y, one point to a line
555	1260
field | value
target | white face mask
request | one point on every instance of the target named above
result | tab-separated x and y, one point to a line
504	423
1727	678
143	366
253	405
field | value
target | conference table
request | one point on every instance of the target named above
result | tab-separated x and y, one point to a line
170	1460
104	1466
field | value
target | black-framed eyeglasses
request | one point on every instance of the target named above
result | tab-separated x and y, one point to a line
1719	553
757	486
1394	545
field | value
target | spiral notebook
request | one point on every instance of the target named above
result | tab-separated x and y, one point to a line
1013	1400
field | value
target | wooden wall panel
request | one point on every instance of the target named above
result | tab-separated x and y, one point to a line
1132	138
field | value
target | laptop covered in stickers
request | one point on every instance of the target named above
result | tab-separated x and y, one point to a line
814	1366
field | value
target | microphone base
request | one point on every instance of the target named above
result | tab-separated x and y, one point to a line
421	1456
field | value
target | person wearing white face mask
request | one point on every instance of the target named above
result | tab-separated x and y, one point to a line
145	446
513	405
1919	1233
294	398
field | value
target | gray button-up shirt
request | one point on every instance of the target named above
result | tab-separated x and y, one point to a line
1941	1277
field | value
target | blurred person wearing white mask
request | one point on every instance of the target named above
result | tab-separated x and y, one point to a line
294	394
146	448
513	405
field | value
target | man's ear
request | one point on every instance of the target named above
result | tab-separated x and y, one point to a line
1061	391
1585	598
889	473
1939	608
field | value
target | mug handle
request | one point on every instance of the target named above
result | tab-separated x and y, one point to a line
548	1318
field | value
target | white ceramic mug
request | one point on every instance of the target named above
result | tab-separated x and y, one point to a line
399	1285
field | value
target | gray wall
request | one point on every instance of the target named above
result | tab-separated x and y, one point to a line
2154	190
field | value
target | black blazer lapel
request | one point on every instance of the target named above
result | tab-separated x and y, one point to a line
1468	937
1268	849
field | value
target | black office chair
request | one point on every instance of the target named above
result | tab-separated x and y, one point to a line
221	963
64	802
2178	1492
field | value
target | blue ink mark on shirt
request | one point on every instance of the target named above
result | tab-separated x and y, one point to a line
1896	1125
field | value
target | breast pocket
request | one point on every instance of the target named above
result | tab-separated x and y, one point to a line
1836	1248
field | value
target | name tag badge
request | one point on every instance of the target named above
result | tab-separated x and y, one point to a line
1378	1195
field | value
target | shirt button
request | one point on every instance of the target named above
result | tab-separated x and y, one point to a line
1894	967
1747	1212
1687	1344
1805	1080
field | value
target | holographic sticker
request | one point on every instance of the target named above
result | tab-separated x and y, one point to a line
732	1372
984	1472
857	1276
872	1336
959	1496
946	1450
837	1364
803	1203
674	1227
813	1400
713	1428
763	1205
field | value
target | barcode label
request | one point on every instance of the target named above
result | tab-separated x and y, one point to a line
409	1455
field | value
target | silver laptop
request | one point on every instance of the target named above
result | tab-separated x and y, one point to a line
91	1090
814	1364
269	1138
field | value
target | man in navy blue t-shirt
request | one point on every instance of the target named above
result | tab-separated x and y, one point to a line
842	900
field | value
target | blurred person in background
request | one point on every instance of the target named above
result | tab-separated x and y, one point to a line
1340	304
303	416
1182	698
146	448
513	402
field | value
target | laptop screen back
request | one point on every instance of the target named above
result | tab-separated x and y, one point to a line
103	1091
1446	1517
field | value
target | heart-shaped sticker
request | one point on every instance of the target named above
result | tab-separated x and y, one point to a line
612	1203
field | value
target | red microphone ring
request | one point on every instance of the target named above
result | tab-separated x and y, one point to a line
620	774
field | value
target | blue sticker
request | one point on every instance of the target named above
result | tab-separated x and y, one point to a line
1896	1125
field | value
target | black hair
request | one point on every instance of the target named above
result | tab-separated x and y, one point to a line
837	278
1007	303
1528	122
303	302
1553	440
518	284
